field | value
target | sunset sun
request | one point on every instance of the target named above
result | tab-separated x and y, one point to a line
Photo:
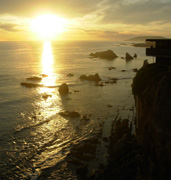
48	26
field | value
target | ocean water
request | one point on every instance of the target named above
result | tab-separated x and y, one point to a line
33	136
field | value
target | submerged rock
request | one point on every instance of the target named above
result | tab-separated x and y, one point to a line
111	68
71	114
70	75
30	85
34	78
45	96
109	54
44	75
100	84
63	89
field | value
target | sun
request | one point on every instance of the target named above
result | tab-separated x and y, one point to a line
48	26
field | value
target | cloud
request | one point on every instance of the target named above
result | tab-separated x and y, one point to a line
68	8
104	18
8	27
103	34
137	12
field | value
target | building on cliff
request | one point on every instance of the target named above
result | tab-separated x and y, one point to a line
161	49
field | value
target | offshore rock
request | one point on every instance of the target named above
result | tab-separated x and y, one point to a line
63	89
44	75
135	70
128	57
71	114
70	75
34	78
135	55
109	54
95	77
30	85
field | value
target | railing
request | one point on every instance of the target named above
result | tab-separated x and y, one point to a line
158	52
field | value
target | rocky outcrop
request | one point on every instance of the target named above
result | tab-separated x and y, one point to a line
147	155
30	85
109	54
152	91
71	114
128	57
135	55
95	77
63	89
34	78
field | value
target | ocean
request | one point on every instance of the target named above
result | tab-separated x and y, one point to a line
33	135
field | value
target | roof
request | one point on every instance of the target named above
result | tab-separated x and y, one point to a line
159	40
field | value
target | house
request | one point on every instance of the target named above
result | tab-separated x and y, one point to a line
161	49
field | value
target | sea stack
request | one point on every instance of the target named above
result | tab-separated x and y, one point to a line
128	57
63	89
108	54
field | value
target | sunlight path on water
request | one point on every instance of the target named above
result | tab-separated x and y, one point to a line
49	80
47	58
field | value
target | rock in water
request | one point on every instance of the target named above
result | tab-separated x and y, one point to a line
145	62
128	57
109	54
63	89
71	114
30	85
135	55
35	78
94	77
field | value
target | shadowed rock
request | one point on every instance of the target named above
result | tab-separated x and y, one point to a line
72	114
44	75
95	77
70	75
34	78
109	54
152	92
135	55
63	89
128	57
30	85
135	69
45	96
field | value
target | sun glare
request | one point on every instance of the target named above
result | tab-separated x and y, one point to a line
47	58
48	26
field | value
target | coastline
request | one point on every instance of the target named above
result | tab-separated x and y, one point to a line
67	138
127	157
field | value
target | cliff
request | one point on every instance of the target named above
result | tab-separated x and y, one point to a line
152	91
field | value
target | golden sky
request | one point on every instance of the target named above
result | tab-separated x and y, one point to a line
86	19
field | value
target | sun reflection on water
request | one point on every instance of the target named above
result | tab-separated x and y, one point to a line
47	65
47	58
49	97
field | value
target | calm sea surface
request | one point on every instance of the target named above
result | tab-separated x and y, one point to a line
33	136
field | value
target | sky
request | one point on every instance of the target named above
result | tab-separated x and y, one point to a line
107	20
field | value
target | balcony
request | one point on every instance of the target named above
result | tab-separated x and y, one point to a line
158	52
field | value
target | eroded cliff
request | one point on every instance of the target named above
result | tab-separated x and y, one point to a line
152	91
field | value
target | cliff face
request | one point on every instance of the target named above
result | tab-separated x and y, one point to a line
152	91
